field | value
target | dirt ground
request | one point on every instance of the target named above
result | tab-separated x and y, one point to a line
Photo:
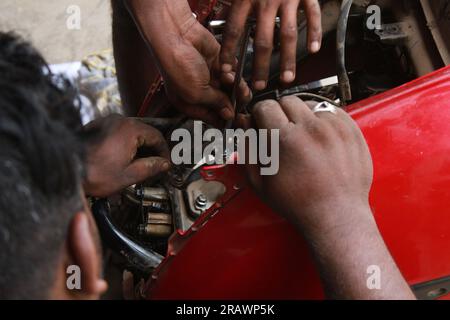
51	25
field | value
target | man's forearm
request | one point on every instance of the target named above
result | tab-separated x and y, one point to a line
161	20
346	251
162	24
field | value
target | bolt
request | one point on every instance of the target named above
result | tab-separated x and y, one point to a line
200	202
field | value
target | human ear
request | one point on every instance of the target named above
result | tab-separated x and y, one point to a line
84	254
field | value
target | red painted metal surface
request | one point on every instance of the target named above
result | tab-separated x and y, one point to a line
241	249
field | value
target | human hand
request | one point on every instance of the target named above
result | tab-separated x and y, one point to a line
194	82
325	170
188	58
111	158
266	11
322	187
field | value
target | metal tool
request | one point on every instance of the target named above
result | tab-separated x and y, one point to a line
322	83
222	23
300	89
239	70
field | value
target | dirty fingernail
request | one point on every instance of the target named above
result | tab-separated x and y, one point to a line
260	85
315	46
288	76
227	67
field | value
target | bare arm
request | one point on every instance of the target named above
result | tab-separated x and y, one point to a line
344	254
323	187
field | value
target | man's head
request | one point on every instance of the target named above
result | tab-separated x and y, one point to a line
45	225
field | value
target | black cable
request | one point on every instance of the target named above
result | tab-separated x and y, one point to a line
141	258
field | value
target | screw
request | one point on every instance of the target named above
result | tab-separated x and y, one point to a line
200	202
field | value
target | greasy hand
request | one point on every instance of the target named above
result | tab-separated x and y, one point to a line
194	82
111	159
325	165
265	12
188	58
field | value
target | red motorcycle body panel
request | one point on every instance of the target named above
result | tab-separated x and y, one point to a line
241	249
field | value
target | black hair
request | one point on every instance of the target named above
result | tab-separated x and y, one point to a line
41	167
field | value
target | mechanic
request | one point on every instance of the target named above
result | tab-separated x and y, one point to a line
49	163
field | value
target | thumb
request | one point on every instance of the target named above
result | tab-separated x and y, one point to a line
142	169
218	101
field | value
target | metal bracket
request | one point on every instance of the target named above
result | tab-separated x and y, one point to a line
394	33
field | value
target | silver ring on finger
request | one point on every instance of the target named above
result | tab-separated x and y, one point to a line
324	107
